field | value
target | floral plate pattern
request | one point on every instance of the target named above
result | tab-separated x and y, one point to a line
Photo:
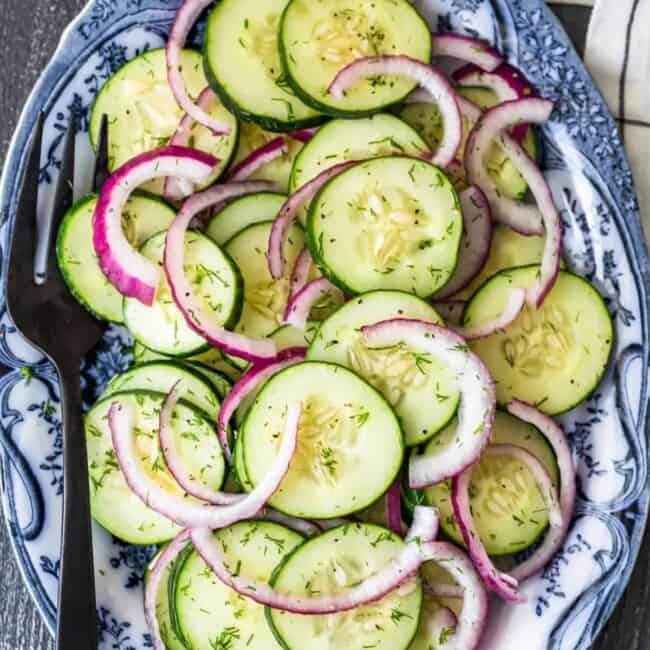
571	600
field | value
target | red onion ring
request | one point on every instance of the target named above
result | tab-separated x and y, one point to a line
132	274
302	526
475	243
425	523
177	189
250	381
169	555
504	585
301	271
439	624
187	14
556	535
174	260
477	402
465	48
491	127
288	212
303	135
299	307
428	77
258	158
191	513
185	479
393	508
516	302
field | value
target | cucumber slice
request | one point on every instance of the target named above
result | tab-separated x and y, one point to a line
399	220
243	212
507	250
289	336
264	298
334	561
143	114
252	137
509	511
212	358
160	377
342	140
221	384
172	585
216	281
421	390
427	121
210	614
426	638
553	357
317	39
113	504
350	446
242	64
142	217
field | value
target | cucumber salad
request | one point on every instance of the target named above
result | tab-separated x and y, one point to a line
341	264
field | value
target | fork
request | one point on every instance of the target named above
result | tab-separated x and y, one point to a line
47	315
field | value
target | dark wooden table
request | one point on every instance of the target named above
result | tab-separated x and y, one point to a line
29	31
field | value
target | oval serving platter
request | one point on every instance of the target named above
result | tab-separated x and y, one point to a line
569	603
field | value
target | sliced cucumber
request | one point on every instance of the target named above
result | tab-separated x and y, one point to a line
553	357
289	336
142	217
210	614
264	297
332	562
113	504
242	64
319	38
507	250
350	446
342	140
244	212
428	638
160	377
421	390
253	137
427	121
221	384
216	282
509	511
143	114
399	220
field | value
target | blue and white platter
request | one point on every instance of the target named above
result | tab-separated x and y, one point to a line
585	163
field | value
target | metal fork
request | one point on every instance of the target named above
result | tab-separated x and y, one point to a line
47	315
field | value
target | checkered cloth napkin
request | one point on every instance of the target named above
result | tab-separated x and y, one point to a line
617	54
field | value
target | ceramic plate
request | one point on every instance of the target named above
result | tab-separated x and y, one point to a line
571	600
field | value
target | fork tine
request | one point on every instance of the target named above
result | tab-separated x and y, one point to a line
61	204
101	156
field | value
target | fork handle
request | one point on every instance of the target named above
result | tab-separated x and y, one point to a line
77	613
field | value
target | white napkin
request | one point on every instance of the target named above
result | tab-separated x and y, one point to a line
617	54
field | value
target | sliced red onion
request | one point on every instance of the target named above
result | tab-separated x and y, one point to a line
328	524
506	82
154	582
187	14
475	243
190	513
303	135
465	48
477	396
258	158
473	614
451	311
252	379
373	588
288	212
428	77
300	306
504	585
197	318
393	509
176	189
301	271
425	522
178	470
132	274
302	526
439	624
557	534
491	128
516	302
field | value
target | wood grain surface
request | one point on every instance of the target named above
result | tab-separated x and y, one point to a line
29	31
